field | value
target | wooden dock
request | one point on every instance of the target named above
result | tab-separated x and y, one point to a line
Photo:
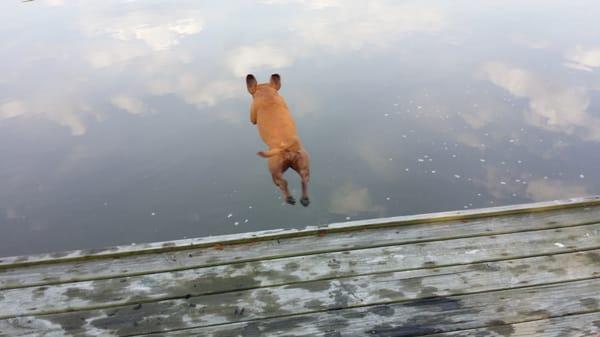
525	270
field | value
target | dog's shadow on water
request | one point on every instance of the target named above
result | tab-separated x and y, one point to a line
277	128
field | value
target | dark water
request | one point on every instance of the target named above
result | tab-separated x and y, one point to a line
127	121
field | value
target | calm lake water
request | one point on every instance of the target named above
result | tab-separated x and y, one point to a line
128	121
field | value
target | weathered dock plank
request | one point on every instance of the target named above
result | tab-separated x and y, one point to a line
422	316
99	268
341	293
584	325
135	289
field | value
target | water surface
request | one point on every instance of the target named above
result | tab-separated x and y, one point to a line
128	121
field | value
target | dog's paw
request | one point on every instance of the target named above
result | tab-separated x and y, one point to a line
290	200
305	201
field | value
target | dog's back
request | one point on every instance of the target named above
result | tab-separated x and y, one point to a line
273	119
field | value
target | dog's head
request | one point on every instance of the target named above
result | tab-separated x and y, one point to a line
253	86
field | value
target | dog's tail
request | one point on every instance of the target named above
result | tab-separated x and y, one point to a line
274	152
270	153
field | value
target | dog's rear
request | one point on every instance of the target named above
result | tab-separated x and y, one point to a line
278	130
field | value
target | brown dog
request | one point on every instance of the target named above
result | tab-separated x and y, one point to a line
278	130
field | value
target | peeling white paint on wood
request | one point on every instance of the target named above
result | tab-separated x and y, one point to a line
423	317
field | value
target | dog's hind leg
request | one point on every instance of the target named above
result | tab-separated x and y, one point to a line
305	177
277	166
301	165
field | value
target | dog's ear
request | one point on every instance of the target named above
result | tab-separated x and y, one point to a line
275	81
251	83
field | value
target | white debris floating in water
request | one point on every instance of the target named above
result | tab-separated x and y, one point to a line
581	176
236	223
153	213
229	215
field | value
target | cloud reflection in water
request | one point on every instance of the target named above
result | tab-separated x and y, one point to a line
552	106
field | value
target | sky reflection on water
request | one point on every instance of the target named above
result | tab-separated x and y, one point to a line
127	121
